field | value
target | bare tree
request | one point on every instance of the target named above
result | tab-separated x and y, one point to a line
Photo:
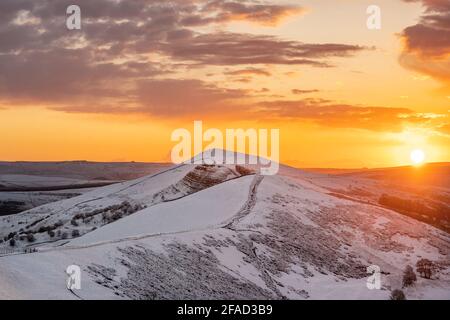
425	268
409	277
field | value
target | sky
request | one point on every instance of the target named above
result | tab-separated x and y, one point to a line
342	95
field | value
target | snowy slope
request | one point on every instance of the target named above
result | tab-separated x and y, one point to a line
241	237
200	211
137	193
26	185
85	213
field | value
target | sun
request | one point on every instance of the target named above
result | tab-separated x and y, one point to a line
417	156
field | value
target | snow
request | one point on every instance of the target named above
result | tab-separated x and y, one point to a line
206	209
44	277
249	237
139	191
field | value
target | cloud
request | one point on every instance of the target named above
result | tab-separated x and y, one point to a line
264	14
229	49
171	98
331	114
66	76
190	99
178	98
125	46
432	5
427	44
249	72
299	91
427	39
445	129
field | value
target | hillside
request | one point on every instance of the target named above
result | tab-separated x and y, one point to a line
211	232
26	185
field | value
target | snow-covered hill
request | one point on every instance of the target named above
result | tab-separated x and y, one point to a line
26	185
218	232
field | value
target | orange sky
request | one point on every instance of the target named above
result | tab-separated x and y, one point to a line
342	95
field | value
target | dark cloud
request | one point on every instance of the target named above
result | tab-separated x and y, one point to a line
427	44
66	76
242	49
123	59
175	98
124	46
186	97
431	37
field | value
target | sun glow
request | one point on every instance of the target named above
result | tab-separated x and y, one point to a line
417	157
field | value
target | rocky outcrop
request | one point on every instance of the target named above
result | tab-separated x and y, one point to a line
200	178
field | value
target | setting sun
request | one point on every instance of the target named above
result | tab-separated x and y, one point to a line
417	156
